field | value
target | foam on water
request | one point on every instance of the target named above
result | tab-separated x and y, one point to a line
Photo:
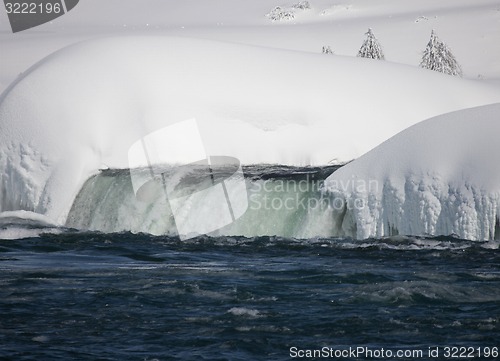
247	312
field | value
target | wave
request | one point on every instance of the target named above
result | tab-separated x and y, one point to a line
127	242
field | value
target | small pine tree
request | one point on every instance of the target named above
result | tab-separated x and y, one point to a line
371	47
302	5
327	50
438	57
279	14
430	55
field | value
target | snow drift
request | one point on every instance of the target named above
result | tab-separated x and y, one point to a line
81	108
439	177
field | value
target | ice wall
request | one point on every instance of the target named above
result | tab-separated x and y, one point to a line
439	177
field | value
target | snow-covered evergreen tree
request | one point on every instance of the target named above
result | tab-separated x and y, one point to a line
431	54
371	47
280	14
302	5
438	57
327	50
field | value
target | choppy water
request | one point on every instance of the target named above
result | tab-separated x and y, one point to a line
93	296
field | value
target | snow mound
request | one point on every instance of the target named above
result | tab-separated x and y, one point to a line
24	224
81	108
439	177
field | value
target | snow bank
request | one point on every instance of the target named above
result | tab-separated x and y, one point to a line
81	108
438	177
24	224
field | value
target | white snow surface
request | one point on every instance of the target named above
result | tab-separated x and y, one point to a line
403	27
438	177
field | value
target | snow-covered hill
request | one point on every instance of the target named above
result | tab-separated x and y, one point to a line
439	177
469	27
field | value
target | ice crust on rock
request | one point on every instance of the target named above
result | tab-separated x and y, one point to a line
438	177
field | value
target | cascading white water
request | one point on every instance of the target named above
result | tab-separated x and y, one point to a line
278	205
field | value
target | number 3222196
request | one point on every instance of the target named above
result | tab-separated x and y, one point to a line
470	352
33	8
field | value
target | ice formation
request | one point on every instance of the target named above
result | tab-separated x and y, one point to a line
439	177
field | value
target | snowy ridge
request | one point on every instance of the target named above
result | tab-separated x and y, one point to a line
81	108
438	177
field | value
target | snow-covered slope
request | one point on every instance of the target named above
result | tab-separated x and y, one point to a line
469	27
83	107
439	177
